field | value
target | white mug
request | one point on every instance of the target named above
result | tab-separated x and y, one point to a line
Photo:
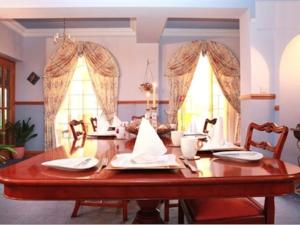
176	136
189	146
120	132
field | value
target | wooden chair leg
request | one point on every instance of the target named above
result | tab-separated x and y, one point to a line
125	210
167	208
269	209
76	208
180	215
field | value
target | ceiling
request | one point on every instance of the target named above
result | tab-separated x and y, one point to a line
147	20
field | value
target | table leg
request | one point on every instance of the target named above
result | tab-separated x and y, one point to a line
148	213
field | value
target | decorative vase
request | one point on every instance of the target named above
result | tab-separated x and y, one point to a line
20	152
5	154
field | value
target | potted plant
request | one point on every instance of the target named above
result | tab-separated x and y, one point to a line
22	132
5	151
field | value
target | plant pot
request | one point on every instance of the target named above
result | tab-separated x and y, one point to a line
20	152
5	154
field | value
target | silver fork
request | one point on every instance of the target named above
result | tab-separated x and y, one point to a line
82	163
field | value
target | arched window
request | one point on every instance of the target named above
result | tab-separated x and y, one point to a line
204	99
80	102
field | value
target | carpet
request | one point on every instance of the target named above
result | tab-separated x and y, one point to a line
58	212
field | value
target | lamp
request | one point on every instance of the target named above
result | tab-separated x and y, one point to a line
62	37
147	86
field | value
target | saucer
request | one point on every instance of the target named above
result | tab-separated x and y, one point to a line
196	157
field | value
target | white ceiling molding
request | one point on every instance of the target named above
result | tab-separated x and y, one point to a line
15	26
86	32
82	32
149	29
171	32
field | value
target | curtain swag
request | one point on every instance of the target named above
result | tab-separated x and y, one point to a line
181	67
59	70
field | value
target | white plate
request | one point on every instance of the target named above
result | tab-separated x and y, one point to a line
102	134
124	162
240	155
72	163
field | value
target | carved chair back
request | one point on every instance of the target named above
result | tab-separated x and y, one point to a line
78	129
268	127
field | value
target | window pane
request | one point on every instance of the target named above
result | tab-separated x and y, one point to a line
90	102
76	87
80	102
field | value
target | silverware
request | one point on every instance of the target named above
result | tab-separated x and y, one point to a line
82	163
190	166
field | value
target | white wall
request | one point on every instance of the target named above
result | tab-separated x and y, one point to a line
274	26
33	61
10	43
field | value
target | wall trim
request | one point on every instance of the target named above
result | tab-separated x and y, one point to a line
128	31
201	32
260	96
29	103
120	102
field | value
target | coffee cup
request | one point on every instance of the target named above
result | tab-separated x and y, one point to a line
189	146
120	132
176	136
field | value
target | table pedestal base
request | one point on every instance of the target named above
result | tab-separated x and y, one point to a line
148	213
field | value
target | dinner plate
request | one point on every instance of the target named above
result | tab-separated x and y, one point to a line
124	162
73	164
249	156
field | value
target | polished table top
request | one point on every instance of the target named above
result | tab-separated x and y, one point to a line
217	177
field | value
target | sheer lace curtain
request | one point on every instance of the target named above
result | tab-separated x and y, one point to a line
58	73
181	68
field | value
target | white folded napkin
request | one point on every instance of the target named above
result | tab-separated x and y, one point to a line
148	146
217	136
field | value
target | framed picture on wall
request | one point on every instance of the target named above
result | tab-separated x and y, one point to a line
33	78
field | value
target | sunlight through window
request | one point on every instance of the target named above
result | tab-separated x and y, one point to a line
204	99
80	102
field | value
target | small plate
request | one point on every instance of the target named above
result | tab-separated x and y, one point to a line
196	157
124	162
73	164
249	156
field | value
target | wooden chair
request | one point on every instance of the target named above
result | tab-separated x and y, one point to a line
94	123
237	210
167	204
76	131
207	121
123	204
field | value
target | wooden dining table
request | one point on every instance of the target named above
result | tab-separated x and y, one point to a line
29	180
